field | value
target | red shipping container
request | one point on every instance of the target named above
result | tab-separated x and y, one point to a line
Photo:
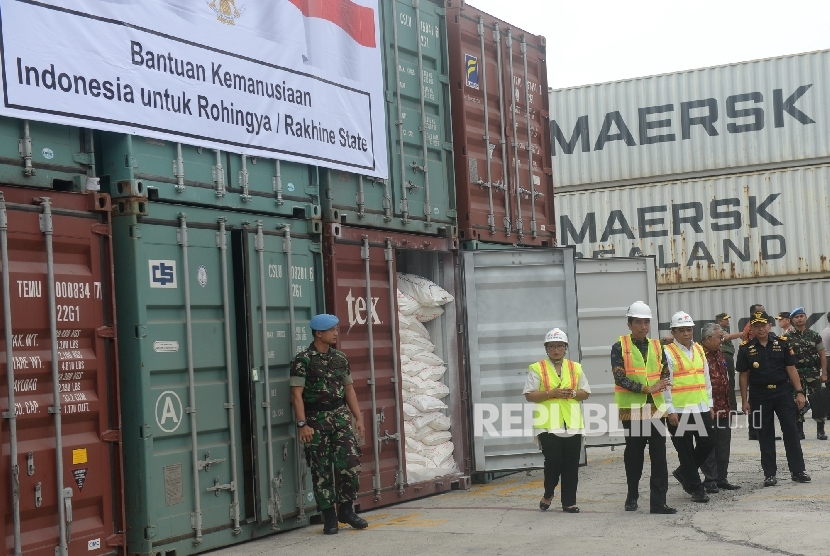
60	376
361	285
501	130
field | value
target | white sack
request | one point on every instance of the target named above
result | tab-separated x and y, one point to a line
406	304
425	404
442	423
436	437
427	358
427	293
426	314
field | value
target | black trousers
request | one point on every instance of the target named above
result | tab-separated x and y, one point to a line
716	467
693	440
637	437
768	403
561	463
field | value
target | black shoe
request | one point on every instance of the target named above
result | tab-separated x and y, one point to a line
631	504
347	515
663	509
544	507
571	510
770	481
679	476
711	488
700	496
820	431
329	521
753	434
726	485
801	477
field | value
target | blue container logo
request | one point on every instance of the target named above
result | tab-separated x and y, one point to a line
471	63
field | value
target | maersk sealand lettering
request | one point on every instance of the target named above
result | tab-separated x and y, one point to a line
702	113
686	218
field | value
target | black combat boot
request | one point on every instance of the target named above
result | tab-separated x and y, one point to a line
347	515
330	521
800	426
820	430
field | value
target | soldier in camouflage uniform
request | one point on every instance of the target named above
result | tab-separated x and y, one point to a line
812	364
323	395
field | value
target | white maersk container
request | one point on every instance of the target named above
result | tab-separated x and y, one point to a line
734	118
751	227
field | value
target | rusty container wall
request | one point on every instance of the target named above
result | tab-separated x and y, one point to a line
358	300
65	440
499	84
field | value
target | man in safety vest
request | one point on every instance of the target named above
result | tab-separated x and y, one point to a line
556	385
640	377
689	405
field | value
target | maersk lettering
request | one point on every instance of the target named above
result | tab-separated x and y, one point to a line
699	120
679	219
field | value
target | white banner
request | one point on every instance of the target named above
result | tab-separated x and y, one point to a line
298	80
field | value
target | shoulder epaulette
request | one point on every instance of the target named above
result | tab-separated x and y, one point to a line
744	342
782	338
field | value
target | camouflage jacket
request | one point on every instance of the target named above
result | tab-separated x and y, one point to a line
806	346
324	376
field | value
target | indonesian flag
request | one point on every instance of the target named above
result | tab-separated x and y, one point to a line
340	35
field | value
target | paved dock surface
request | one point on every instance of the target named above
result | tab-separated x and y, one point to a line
503	517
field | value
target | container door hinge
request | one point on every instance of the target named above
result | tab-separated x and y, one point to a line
101	230
105	332
149	532
140	331
117	540
315	248
451	213
111	435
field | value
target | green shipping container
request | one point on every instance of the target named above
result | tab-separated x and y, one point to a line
37	154
419	195
182	173
210	448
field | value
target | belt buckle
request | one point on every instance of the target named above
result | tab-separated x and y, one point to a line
772	386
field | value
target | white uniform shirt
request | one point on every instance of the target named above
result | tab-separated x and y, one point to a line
825	337
702	406
533	383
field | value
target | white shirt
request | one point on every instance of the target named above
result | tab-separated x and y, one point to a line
702	406
825	336
533	383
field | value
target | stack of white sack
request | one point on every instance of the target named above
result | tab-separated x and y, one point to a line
429	447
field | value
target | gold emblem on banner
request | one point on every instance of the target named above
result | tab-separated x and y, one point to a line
225	10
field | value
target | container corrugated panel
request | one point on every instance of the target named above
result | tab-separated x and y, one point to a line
419	195
745	227
511	300
361	264
210	441
501	129
605	289
724	119
704	303
60	376
182	173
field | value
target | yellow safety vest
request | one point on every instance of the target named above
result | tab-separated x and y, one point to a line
646	373
561	412
688	380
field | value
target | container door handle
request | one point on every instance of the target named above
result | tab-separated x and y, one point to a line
38	495
67	504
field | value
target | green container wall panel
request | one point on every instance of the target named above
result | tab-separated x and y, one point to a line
400	203
158	441
210	178
59	156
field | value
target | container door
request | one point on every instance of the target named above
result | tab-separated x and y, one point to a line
606	287
282	278
188	353
513	299
59	365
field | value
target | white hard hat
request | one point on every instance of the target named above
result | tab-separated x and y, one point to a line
639	310
556	335
681	319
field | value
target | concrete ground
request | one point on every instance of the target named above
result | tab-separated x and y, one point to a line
503	517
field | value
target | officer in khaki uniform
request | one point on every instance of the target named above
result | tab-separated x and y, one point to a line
321	390
768	378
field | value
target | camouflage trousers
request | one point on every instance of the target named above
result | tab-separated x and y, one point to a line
810	385
334	458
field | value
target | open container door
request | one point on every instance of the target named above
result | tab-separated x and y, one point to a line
606	287
513	299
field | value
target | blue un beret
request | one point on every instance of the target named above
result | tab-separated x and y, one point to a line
323	322
797	311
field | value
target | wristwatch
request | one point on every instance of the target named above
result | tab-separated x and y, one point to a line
573	393
300	424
